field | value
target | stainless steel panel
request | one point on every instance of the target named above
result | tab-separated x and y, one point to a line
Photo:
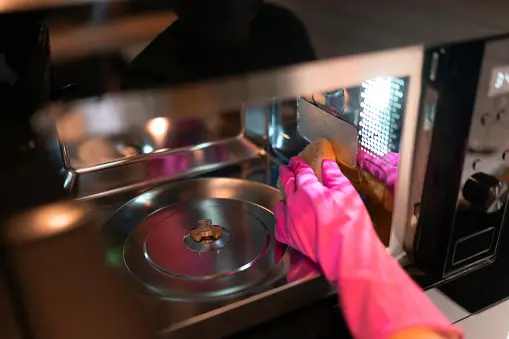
491	323
489	139
193	101
56	258
119	142
314	123
160	167
448	307
157	168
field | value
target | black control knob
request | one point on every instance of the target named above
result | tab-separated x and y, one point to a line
485	192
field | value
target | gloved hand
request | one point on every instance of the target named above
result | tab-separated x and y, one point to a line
329	223
300	267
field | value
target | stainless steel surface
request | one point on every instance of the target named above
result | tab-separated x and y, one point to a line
45	222
86	119
184	289
64	287
132	151
490	323
284	136
152	230
253	311
106	149
315	123
488	133
155	168
452	311
163	134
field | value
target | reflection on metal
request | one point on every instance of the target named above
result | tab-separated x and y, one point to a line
45	222
158	167
158	129
56	255
114	145
136	108
282	132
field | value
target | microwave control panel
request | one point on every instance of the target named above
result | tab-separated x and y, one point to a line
484	186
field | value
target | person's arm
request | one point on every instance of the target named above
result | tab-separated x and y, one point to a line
329	223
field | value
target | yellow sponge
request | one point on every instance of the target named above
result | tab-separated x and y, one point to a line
321	149
314	154
379	203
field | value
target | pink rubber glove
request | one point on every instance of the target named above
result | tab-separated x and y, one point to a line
329	223
301	267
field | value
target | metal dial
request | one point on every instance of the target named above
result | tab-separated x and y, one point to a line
485	192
